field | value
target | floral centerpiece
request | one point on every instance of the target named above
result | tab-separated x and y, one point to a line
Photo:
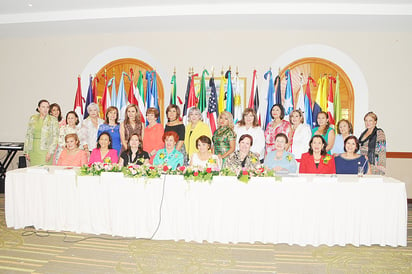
95	169
199	174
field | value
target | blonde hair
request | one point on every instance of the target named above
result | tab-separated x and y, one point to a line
229	116
298	111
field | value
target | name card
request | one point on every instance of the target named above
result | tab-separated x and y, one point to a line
38	170
325	179
370	179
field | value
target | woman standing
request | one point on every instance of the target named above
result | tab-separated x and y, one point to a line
278	125
350	162
41	137
131	125
279	159
344	129
373	144
224	138
56	111
134	155
250	125
111	125
325	130
88	131
175	124
317	160
72	120
300	134
243	158
204	157
152	140
104	152
169	155
71	154
194	129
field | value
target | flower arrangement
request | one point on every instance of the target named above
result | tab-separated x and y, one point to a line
243	176
289	158
96	169
199	174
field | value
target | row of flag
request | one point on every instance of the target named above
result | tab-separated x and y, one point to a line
210	104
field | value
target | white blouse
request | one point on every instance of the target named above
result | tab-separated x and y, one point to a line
301	138
88	133
196	162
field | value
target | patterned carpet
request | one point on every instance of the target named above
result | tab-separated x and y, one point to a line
23	251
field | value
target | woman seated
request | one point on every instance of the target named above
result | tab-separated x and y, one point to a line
317	160
204	157
134	154
72	155
344	129
279	159
103	152
350	162
169	155
243	157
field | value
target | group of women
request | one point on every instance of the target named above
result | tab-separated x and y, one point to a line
285	146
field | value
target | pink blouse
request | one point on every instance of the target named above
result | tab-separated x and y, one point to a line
78	159
271	132
96	157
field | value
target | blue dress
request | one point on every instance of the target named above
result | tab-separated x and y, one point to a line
114	132
350	166
287	162
172	159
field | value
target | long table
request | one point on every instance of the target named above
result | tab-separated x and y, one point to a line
303	210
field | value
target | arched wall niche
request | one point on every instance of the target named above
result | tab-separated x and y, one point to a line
317	68
343	61
122	59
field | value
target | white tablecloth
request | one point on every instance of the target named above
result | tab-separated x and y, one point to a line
305	210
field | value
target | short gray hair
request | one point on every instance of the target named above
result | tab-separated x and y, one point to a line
195	111
93	105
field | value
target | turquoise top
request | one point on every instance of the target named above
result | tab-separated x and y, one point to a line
172	159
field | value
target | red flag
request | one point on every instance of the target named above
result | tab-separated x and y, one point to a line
78	101
330	101
192	100
106	95
131	98
94	89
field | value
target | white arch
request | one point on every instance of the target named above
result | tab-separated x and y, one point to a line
115	53
344	61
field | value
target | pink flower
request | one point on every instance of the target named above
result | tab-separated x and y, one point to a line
196	173
209	170
165	168
182	168
244	172
151	167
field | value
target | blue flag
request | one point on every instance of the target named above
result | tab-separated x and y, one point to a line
270	97
89	98
288	94
112	83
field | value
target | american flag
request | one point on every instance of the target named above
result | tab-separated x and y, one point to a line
212	106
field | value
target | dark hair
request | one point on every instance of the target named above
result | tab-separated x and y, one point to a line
324	130
246	136
60	117
107	112
205	140
40	102
282	135
282	111
176	107
325	144
110	139
140	147
153	111
75	114
351	138
347	122
170	133
246	112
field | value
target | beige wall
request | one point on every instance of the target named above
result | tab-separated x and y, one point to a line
46	67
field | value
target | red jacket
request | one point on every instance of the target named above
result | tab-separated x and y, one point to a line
326	166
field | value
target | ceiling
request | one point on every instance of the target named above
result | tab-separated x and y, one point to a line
53	17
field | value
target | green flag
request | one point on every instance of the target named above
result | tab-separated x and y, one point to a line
201	105
336	100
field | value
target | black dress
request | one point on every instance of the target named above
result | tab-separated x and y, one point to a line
138	159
